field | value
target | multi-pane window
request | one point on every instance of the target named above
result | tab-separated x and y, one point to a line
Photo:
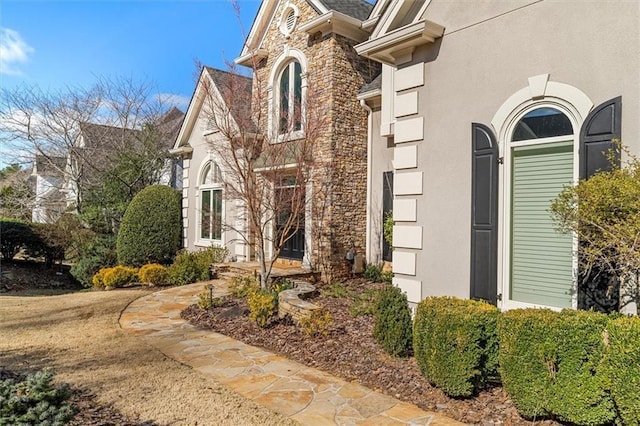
211	202
290	111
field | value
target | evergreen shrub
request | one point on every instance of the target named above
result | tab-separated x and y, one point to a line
392	327
16	234
151	228
34	401
153	274
96	253
116	277
455	343
189	267
550	364
622	368
263	305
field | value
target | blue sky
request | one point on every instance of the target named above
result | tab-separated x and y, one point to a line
67	43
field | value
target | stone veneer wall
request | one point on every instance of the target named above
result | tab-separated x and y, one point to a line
335	74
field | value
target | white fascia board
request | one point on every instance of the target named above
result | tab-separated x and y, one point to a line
338	23
410	36
371	94
193	111
259	26
247	59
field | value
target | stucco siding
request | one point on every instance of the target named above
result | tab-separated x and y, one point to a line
486	55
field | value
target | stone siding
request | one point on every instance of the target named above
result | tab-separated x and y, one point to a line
334	75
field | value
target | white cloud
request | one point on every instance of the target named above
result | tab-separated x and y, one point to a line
171	99
13	51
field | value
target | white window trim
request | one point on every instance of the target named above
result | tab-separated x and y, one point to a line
541	93
282	26
273	94
198	240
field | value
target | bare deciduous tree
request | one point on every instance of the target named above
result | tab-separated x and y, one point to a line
272	173
116	121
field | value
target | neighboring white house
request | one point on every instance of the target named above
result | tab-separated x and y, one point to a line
58	179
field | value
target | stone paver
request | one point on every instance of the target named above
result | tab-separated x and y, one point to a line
304	394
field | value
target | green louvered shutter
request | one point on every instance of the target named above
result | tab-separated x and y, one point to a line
541	258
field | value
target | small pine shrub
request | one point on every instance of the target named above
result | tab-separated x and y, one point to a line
621	366
262	306
392	326
318	323
34	400
455	343
365	303
242	286
153	274
151	228
386	277
549	364
119	276
189	268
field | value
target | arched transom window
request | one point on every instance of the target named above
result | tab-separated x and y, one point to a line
211	202
290	99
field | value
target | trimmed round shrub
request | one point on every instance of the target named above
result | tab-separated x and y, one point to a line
119	276
189	268
153	273
550	364
98	278
455	343
622	368
151	227
392	327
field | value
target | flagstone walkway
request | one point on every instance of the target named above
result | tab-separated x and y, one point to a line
304	394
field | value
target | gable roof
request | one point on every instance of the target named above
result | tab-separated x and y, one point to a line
232	89
49	166
356	9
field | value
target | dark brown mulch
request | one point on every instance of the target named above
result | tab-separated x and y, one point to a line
350	351
89	412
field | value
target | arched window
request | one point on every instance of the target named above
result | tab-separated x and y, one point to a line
211	202
290	99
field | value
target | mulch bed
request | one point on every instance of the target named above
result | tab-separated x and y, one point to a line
350	351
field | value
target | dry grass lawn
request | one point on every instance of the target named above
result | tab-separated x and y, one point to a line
77	336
